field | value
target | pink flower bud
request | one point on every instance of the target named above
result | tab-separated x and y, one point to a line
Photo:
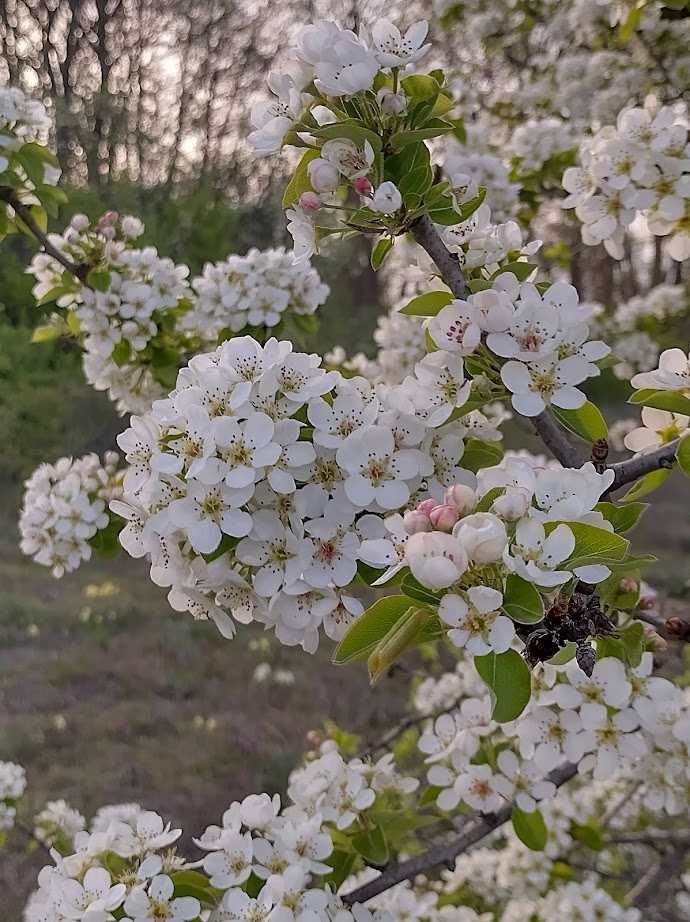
362	185
426	506
309	201
444	517
461	498
416	522
108	219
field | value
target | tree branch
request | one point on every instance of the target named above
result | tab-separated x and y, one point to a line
24	212
475	829
633	468
547	428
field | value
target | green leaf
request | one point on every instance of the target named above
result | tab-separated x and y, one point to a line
683	456
468	208
353	129
565	655
192	883
416	626
121	353
367	573
367	632
400	823
509	681
342	862
647	484
593	545
522	601
459	130
300	179
634	642
587	422
105	542
623	518
479	454
588	834
428	304
98	279
414	590
227	543
45	333
530	829
420	86
442	210
380	251
432	129
626	29
662	400
429	796
371	844
521	270
487	500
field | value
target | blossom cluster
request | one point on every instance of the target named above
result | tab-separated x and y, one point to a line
253	486
537	140
12	786
65	506
639	326
449	538
542	337
284	849
119	309
469	168
640	166
260	289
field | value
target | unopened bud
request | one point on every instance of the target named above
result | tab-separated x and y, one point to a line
108	219
416	522
646	603
79	222
629	584
677	627
461	498
309	201
653	640
391	103
362	185
444	517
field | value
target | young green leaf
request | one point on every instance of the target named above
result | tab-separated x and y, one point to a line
522	601
509	681
371	844
683	456
662	400
530	829
370	629
479	454
428	304
647	484
587	422
623	518
380	251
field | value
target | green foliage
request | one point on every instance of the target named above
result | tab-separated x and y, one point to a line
428	304
365	634
683	456
594	545
661	400
646	485
587	422
522	601
623	518
380	252
479	454
530	829
508	678
300	181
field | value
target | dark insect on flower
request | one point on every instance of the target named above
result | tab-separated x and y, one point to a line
569	620
586	657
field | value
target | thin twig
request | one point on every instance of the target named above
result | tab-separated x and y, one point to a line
24	212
